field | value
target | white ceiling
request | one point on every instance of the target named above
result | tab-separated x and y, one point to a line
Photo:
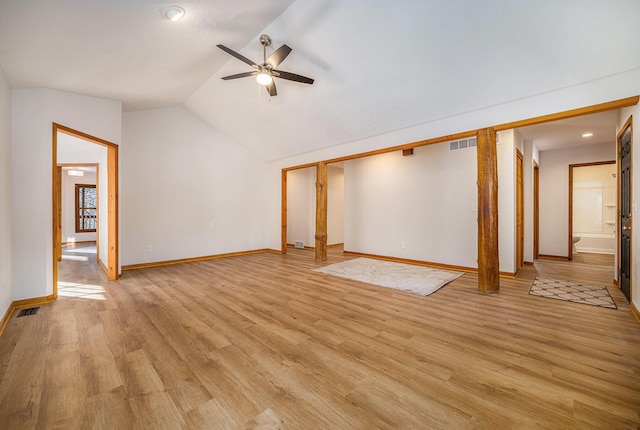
124	49
379	65
568	133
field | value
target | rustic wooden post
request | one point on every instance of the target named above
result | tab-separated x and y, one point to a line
488	258
321	212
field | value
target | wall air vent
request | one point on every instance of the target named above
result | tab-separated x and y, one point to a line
299	244
455	145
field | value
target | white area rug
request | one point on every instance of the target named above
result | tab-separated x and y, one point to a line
405	277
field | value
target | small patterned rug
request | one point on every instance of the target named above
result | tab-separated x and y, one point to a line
595	295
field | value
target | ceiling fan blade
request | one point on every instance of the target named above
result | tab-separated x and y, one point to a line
240	75
238	56
278	56
292	77
271	89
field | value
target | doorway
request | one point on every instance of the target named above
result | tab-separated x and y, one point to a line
109	240
592	195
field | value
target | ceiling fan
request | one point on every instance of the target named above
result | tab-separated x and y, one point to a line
266	71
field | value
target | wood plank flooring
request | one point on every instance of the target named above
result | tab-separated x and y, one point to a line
261	341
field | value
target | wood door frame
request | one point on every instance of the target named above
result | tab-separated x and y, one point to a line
519	210
283	211
536	210
571	167
112	200
627	125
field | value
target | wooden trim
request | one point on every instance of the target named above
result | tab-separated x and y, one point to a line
321	211
56	203
424	263
519	210
615	282
536	210
528	263
570	228
602	107
24	303
553	257
103	267
488	258
6	318
588	110
78	243
293	245
634	311
335	245
196	259
112	213
301	166
77	205
112	198
283	213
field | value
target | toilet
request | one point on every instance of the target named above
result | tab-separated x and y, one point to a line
574	240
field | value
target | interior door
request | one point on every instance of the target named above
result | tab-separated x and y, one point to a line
624	207
519	211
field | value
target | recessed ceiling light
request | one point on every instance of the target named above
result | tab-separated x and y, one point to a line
173	13
588	134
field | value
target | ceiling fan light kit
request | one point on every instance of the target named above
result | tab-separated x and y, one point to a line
266	71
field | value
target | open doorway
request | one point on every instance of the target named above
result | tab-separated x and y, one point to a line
72	148
592	208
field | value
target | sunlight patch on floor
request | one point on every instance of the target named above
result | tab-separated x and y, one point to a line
75	257
80	291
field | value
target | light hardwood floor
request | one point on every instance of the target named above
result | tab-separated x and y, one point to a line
261	341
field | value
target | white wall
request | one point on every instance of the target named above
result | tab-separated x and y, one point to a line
554	192
5	196
69	233
301	206
186	190
335	205
33	112
424	201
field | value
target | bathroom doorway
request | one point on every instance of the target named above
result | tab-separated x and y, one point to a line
592	208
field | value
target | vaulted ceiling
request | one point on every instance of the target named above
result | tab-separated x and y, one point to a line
378	65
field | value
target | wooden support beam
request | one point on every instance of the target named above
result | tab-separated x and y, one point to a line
488	258
321	211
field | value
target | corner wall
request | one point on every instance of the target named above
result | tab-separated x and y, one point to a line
186	190
33	112
6	285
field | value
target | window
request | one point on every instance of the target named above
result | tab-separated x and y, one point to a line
85	208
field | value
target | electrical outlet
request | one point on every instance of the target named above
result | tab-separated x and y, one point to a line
403	245
149	248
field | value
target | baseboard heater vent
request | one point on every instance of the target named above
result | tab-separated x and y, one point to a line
28	311
455	145
299	244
